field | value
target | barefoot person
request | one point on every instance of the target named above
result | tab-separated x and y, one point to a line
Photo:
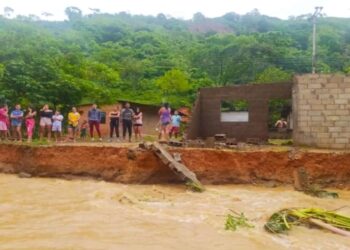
16	122
57	119
73	124
127	115
45	122
165	119
94	117
175	124
3	122
114	122
138	124
30	123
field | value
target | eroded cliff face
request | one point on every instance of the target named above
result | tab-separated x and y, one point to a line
211	166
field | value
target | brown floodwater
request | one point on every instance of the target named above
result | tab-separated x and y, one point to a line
39	213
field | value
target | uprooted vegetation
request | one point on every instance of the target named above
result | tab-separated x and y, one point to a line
283	220
235	220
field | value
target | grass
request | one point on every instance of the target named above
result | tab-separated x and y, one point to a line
195	187
35	142
280	142
149	138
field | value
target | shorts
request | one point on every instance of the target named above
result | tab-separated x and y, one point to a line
83	132
175	130
165	123
3	126
137	125
45	121
16	123
72	127
56	127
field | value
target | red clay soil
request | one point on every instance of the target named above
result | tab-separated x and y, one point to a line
211	166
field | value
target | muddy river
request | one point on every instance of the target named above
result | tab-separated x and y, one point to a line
40	213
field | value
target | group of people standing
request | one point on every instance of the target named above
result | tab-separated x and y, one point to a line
169	124
50	122
129	118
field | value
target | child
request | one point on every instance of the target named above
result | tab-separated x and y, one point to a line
57	119
83	129
16	122
3	122
175	124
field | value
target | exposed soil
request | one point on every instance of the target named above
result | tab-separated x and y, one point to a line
140	166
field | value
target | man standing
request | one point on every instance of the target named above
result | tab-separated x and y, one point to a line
127	115
16	122
94	117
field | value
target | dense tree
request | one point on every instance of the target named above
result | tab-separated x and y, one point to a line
73	13
273	74
173	81
103	57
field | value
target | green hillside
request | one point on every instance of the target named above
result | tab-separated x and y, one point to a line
104	57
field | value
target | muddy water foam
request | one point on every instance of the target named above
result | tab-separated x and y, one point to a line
58	214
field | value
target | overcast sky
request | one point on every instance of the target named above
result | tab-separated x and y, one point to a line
181	8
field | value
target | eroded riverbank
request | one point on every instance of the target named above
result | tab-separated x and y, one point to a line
211	166
43	213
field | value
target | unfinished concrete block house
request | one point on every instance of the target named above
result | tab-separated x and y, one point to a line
319	115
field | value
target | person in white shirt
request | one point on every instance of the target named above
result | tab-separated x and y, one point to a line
57	119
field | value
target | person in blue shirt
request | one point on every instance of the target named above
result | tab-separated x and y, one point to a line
16	122
94	117
175	124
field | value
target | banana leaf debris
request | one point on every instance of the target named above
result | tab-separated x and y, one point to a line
283	220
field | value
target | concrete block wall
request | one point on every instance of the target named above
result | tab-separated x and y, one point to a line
321	108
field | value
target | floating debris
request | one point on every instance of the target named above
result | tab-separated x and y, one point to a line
301	183
235	220
283	220
320	193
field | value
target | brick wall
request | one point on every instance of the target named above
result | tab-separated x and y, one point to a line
321	109
206	120
194	124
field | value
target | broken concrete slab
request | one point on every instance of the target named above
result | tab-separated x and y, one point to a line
178	168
